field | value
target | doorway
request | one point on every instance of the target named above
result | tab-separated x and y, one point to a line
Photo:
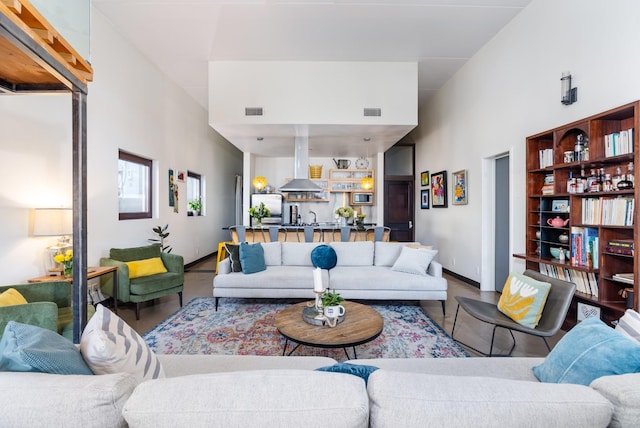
501	224
398	209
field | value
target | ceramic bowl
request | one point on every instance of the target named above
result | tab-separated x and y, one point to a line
555	252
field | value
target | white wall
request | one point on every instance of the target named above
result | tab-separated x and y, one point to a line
132	106
509	90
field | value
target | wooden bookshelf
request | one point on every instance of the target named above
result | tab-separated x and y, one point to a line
552	170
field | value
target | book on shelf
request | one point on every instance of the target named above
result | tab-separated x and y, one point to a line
618	143
620	250
621	243
545	157
586	282
624	277
608	211
584	247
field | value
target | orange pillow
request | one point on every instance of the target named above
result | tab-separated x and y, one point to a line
138	268
12	297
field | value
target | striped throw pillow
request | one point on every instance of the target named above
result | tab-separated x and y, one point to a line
629	325
109	345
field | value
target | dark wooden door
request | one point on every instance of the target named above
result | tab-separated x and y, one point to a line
398	209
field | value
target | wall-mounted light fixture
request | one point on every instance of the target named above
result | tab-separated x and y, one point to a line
568	95
259	183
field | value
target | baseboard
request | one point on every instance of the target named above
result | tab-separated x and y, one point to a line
201	259
462	278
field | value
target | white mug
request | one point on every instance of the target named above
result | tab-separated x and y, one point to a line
334	311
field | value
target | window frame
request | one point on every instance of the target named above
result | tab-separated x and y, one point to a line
198	177
145	162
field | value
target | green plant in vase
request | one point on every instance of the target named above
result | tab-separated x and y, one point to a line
259	212
196	206
331	298
162	233
65	260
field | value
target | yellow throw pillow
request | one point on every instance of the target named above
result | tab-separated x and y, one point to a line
523	299
138	268
12	297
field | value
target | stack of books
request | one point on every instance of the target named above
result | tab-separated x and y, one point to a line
584	247
586	282
624	277
608	211
547	189
620	246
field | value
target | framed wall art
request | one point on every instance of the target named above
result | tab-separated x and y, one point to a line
459	187
439	189
424	178
424	199
180	176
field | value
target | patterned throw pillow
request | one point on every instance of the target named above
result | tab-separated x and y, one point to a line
523	299
29	348
109	345
234	256
629	325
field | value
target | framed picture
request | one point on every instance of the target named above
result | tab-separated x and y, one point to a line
439	189
424	199
180	175
424	178
459	187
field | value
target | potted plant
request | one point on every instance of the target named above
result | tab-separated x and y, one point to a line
331	303
344	213
162	233
259	212
195	206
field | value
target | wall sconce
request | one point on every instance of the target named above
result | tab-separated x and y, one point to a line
568	95
259	183
54	222
366	183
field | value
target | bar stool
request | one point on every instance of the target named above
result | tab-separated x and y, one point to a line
238	233
222	253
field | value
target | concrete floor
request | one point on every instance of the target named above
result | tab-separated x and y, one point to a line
199	280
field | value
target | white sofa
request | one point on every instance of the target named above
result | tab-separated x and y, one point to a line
257	391
363	271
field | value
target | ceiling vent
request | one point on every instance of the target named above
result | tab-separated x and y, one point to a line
253	111
373	112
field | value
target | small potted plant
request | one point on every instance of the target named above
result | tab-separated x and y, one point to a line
259	212
195	206
331	303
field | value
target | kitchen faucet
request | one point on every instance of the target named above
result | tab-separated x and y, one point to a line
315	218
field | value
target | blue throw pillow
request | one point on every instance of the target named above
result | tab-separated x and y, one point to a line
28	348
252	258
588	351
361	371
324	257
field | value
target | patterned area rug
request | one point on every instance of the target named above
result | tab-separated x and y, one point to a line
247	327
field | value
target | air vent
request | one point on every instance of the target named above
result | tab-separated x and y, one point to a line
373	112
253	111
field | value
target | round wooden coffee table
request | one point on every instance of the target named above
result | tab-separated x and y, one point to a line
361	324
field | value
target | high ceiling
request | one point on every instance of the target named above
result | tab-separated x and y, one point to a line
182	36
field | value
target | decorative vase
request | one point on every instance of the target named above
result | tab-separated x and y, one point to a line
68	271
343	221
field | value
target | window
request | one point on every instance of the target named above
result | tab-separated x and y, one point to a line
134	186
194	192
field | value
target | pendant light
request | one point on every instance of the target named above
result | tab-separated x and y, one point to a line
367	182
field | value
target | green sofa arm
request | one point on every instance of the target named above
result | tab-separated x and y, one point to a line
106	281
173	262
41	314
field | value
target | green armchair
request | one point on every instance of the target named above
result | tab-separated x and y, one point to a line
49	307
143	288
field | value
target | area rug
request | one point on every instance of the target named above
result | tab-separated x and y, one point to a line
247	327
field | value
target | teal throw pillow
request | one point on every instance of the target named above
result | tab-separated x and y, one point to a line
588	351
324	257
234	257
29	348
360	370
252	258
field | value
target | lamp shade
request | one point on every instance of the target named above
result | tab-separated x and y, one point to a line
259	182
52	221
366	183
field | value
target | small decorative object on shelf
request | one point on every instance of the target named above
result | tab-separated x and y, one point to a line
259	212
66	260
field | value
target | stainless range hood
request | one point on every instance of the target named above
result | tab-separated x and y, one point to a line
301	182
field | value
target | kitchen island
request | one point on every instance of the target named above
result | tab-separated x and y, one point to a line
319	232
